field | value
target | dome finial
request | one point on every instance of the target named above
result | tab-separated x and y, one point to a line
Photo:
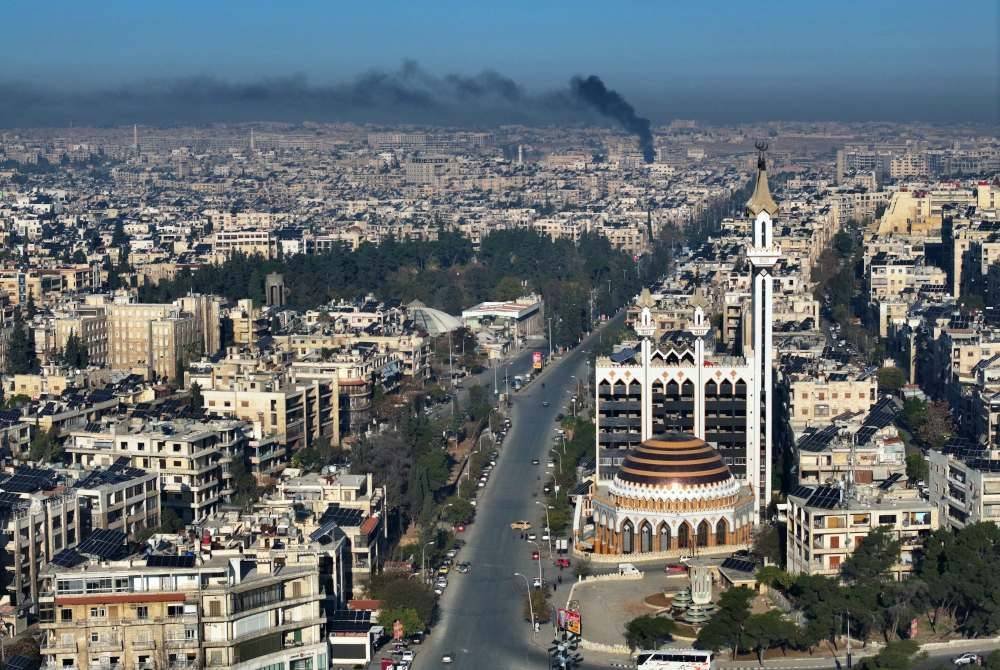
761	200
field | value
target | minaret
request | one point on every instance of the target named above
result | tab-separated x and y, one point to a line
251	141
699	328
763	254
135	138
645	328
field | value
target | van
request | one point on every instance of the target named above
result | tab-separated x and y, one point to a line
628	569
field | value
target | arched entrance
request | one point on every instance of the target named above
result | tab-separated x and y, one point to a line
664	534
703	531
628	538
645	538
721	529
684	536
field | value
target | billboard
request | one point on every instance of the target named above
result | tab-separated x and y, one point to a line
536	360
569	620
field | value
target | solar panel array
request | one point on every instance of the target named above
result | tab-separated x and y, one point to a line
890	480
804	492
740	564
22	663
104	543
819	439
170	561
118	473
68	558
342	516
348	621
825	497
30	480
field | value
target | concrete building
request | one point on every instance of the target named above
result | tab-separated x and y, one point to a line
826	524
182	612
121	497
964	483
191	457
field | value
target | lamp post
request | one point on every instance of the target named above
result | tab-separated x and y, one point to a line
531	607
423	561
559	456
548	526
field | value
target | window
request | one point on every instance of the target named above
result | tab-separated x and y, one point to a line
95	636
66	615
142	612
887	519
175	610
98	613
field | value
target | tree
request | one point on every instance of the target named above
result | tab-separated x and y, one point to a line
45	446
197	400
399	592
648	632
891	379
767	544
411	620
170	521
459	510
917	468
245	489
938	427
770	629
537	603
21	359
75	354
914	413
897	655
873	558
725	629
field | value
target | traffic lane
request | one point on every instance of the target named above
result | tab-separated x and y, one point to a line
481	620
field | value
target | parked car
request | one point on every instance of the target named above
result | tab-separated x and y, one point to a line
675	569
966	659
537	583
407	656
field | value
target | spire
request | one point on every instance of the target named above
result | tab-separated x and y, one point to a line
761	200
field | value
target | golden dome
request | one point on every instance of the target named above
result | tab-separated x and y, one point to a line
674	458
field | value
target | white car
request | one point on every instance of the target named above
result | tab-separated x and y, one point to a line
481	484
448	658
532	537
545	537
407	656
536	582
550	464
966	659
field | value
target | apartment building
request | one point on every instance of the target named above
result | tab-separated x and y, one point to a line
38	519
890	276
153	339
169	612
121	497
964	483
191	456
827	523
252	242
818	392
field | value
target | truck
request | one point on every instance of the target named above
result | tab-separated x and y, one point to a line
628	569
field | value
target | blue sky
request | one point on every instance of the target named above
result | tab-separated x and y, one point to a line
675	56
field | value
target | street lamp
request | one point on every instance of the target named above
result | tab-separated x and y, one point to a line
531	606
559	456
423	561
548	526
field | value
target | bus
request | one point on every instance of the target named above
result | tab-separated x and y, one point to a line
674	659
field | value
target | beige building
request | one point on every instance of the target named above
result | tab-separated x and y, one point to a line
159	339
964	485
176	613
814	399
825	526
192	458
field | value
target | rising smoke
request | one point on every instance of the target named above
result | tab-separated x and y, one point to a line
592	91
409	94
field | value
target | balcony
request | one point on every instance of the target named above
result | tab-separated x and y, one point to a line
143	645
55	645
181	643
105	644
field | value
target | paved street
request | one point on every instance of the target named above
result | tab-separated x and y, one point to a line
481	612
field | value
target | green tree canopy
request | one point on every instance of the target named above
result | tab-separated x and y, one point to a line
648	632
890	379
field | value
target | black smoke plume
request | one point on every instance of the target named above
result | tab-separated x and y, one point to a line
408	95
611	104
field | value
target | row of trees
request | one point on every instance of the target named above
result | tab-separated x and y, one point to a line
953	589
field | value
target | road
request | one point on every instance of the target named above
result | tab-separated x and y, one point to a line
481	622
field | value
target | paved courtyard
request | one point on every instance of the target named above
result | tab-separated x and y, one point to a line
606	606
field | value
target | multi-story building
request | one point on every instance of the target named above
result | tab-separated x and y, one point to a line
964	483
37	521
121	497
154	339
192	457
817	392
182	612
827	523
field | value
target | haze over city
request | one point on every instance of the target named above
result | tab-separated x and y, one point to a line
499	336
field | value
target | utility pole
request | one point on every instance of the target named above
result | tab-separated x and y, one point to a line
451	370
496	391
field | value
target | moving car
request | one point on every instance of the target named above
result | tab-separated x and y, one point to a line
966	659
562	562
520	525
534	461
448	658
532	537
675	569
545	403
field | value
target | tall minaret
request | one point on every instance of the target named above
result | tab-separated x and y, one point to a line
135	138
645	329
699	327
252	144
762	254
